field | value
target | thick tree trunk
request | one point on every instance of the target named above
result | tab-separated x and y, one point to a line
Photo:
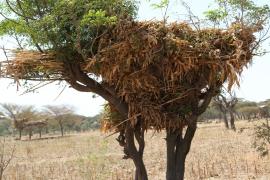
177	150
232	121
133	153
140	173
171	156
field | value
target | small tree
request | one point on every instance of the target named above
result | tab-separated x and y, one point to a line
262	132
219	104
60	114
212	112
246	109
227	105
19	115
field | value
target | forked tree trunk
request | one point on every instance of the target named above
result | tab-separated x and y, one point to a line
133	153
82	82
177	150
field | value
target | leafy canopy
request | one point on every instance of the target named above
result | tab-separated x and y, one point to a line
62	24
244	12
153	68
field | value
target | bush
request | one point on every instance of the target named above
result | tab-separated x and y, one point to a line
262	138
5	127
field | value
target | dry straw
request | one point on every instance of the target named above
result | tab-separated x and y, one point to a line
158	70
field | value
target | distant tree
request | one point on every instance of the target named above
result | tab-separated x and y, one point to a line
60	114
19	115
227	105
74	122
264	112
220	105
5	127
91	123
30	126
247	110
212	112
265	103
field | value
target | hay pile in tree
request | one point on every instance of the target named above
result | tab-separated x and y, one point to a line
160	71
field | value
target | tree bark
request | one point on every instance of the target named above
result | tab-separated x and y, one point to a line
225	119
61	127
87	84
177	149
62	131
30	134
134	154
232	121
20	134
171	156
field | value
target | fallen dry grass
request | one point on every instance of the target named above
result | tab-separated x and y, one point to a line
216	153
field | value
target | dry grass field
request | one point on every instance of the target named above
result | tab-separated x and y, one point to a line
216	153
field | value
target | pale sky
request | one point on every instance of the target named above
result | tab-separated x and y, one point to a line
255	84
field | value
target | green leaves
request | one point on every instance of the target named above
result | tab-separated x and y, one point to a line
161	5
62	24
97	18
216	15
261	140
243	12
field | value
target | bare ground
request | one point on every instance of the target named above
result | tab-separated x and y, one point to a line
216	153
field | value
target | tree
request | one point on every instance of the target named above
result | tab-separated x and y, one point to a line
262	132
212	112
227	105
19	115
153	75
247	110
60	114
30	126
91	123
218	103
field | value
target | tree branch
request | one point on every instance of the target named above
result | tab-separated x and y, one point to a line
88	84
207	99
16	12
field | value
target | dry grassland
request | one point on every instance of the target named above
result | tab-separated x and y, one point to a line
216	153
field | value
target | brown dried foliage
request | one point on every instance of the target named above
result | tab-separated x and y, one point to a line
160	71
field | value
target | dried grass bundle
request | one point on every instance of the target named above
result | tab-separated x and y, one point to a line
160	71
